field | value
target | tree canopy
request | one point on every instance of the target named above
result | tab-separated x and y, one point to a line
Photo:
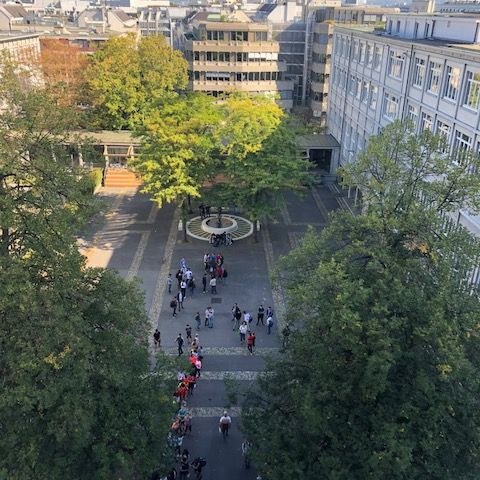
379	380
129	78
78	400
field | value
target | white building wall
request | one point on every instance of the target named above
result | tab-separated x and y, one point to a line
429	83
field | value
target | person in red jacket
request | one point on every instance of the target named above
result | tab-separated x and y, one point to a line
250	342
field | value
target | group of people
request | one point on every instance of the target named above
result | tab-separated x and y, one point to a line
182	422
242	321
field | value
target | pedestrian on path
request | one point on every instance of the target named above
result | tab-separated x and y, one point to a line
247	317
269	324
243	331
173	306
180	342
213	286
179	276
183	288
250	342
156	338
169	283
238	317
204	283
224	424
191	285
260	314
269	312
180	300
209	314
234	311
185	465
188	330
197	319
197	466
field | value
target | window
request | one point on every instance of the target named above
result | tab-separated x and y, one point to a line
461	145
472	90
452	83
260	36
390	106
368	55
419	72
372	97
412	114
239	36
398	26
434	73
444	131
361	52
377	58
427	122
364	92
353	85
395	64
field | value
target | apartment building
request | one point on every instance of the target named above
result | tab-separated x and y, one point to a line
425	68
319	58
24	48
230	52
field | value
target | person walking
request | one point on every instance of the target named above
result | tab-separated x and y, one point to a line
156	338
209	313
246	446
188	331
183	288
250	342
238	317
260	314
269	312
180	342
184	465
173	306
213	285
243	331
204	283
180	300
197	466
234	311
269	324
247	317
191	286
179	276
197	319
224	424
169	283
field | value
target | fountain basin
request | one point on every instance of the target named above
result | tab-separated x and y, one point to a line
209	225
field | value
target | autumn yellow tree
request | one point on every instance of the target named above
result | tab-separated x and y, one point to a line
63	66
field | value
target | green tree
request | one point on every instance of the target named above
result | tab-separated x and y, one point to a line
379	381
179	147
128	78
76	398
260	157
42	202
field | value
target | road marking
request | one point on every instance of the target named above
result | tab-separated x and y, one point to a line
160	285
319	203
232	374
277	291
207	412
260	351
137	258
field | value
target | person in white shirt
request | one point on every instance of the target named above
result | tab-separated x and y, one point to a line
213	285
243	329
224	424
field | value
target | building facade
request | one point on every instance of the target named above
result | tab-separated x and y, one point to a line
230	55
423	68
24	48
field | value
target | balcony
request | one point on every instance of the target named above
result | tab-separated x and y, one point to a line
230	46
247	86
269	66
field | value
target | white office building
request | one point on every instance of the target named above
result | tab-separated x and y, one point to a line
423	67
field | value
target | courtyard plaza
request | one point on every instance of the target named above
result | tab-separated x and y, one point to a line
144	242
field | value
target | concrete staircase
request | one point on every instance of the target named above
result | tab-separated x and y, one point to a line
120	178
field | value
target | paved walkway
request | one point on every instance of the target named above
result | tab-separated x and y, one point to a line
139	240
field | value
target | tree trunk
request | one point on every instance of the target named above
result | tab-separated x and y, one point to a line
189	199
255	231
5	241
184	220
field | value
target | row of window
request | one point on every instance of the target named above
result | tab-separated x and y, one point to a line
461	141
235	57
430	79
357	87
236	77
236	36
362	52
